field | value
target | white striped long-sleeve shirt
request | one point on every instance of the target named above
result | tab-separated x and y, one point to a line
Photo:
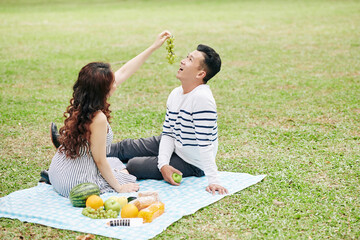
190	130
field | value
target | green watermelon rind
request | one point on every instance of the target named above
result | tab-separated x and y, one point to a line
81	192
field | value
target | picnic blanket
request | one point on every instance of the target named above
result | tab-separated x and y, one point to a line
42	205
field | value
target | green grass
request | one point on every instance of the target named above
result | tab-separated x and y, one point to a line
287	97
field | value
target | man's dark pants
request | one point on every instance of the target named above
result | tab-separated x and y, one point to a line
141	156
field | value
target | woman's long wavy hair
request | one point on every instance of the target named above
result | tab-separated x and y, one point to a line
90	95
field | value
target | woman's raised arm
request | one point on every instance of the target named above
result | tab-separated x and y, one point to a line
134	64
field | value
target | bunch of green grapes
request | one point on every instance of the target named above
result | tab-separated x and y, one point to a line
170	48
99	213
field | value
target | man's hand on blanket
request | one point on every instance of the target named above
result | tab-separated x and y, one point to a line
212	188
167	172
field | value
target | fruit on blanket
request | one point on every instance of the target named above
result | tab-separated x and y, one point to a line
94	201
99	213
129	199
122	200
112	204
81	192
113	197
177	177
129	211
151	212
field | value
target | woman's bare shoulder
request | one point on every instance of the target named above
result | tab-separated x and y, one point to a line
99	118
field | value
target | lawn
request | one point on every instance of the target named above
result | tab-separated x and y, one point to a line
287	98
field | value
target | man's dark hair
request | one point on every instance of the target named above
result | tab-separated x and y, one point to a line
212	61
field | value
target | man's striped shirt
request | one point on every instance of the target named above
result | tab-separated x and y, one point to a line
190	129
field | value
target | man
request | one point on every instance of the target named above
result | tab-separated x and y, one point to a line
189	142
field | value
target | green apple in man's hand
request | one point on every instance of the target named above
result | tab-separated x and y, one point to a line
177	177
112	204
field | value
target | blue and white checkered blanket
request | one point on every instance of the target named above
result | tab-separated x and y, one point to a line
42	205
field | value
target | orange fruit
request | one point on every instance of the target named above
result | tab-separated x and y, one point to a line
94	202
129	211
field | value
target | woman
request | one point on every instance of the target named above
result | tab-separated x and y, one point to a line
86	135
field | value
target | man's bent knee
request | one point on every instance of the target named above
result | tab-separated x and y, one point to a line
144	168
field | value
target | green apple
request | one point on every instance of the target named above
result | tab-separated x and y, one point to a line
122	200
114	197
177	177
112	204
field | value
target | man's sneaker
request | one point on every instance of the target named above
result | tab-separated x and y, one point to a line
54	134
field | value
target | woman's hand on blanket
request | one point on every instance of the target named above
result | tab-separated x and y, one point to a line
129	187
167	172
212	188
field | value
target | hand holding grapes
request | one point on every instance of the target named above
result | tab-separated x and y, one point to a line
161	38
